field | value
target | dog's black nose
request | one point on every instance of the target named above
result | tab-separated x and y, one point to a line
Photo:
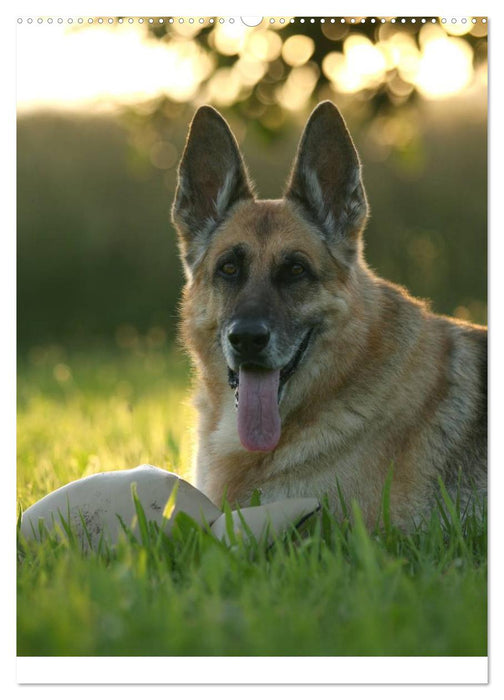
248	337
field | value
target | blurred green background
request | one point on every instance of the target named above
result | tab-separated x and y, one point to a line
97	259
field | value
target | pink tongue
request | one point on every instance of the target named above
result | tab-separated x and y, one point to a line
258	417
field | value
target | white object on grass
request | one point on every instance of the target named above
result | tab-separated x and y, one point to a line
95	506
96	501
265	521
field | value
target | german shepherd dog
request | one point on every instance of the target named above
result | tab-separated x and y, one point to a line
314	376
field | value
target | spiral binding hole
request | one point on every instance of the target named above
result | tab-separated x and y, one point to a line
231	20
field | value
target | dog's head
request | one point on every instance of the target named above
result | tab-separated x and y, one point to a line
262	275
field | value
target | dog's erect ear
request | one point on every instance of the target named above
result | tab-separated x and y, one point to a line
211	178
326	178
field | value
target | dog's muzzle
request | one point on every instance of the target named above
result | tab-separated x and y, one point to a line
258	385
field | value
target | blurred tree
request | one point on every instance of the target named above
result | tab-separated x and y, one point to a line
285	65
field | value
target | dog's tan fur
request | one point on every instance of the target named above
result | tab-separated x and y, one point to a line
384	383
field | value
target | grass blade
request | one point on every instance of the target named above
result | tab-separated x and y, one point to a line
171	503
455	524
140	514
387	487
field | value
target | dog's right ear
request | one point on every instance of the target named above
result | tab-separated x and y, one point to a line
211	179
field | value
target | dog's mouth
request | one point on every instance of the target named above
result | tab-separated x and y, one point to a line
258	391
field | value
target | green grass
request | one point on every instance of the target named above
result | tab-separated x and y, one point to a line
334	590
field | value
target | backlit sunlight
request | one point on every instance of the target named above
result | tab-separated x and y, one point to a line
107	64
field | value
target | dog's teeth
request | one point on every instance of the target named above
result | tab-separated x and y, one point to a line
232	378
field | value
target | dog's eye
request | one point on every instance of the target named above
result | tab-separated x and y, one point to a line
228	269
292	271
296	270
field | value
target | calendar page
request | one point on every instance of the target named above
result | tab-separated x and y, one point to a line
252	251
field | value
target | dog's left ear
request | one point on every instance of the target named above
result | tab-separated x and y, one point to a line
326	178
